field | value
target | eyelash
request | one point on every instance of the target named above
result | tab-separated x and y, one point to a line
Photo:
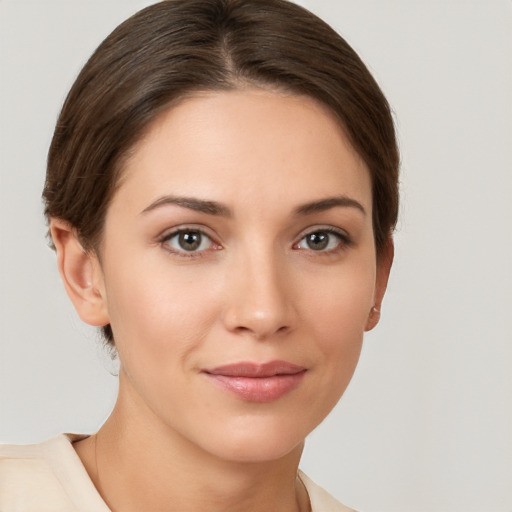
344	242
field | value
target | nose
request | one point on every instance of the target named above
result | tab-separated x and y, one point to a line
260	297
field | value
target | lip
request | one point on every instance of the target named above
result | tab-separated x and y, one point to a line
257	382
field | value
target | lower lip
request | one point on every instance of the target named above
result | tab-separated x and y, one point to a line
259	389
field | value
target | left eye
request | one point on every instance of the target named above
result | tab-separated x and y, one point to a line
189	240
321	241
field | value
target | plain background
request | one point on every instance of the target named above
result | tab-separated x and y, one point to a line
426	423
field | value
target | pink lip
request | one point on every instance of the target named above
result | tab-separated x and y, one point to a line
256	382
256	370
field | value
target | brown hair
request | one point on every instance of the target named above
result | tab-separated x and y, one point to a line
174	48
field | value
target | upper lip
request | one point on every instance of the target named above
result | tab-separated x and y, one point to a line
250	369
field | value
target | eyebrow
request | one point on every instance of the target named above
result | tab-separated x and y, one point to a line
328	203
191	203
218	209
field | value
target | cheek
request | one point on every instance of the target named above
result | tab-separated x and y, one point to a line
158	316
337	314
339	305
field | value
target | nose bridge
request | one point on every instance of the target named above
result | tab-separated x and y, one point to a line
259	301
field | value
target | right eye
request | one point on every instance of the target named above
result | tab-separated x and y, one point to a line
188	241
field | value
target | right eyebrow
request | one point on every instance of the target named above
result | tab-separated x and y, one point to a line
191	203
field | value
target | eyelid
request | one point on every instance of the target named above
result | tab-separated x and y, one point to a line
323	227
169	232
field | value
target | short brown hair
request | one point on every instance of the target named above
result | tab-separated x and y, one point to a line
174	48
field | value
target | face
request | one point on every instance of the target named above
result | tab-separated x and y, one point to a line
238	271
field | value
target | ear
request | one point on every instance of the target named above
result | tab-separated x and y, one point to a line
384	262
81	274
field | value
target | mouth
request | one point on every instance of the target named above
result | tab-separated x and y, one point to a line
254	382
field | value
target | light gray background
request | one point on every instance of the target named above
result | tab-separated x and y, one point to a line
426	423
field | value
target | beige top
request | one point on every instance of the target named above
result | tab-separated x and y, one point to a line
50	477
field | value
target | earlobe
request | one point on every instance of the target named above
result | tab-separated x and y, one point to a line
384	262
373	318
81	274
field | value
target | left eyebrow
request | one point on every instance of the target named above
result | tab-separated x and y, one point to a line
328	203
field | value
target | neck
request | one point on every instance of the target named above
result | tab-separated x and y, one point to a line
137	463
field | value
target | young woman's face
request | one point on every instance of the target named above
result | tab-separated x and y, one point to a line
238	270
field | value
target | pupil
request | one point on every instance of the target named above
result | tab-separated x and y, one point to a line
318	241
190	240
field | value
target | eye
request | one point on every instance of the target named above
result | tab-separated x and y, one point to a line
188	241
324	240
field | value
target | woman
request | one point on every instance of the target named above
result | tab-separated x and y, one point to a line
221	192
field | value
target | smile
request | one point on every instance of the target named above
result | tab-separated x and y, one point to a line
254	382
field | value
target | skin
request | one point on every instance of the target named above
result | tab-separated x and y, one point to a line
254	291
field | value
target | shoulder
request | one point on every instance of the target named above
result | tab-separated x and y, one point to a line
321	500
27	480
43	477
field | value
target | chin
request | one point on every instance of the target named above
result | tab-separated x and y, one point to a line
257	440
259	451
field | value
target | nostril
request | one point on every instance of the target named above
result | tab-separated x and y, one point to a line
242	329
261	332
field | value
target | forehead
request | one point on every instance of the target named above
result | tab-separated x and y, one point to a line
245	145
